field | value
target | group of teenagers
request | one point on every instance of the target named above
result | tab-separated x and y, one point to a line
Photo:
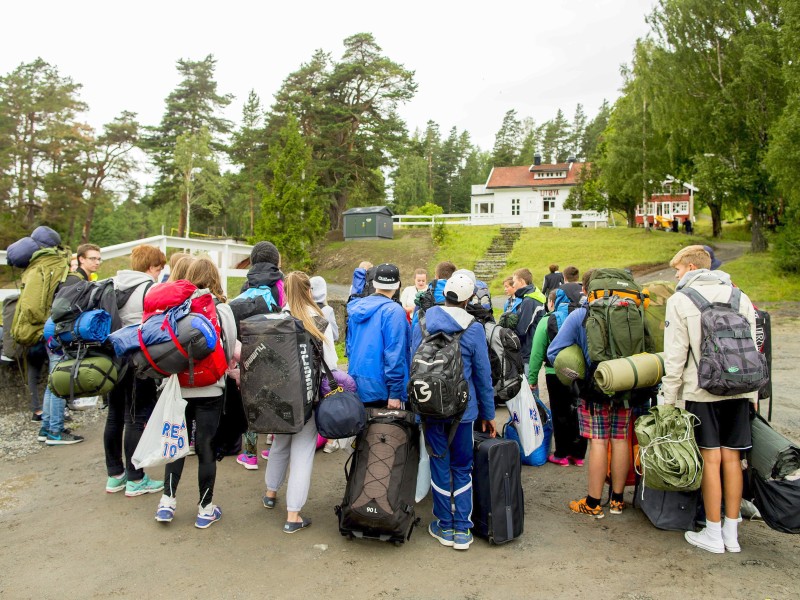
383	331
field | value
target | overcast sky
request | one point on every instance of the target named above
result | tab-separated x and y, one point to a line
473	60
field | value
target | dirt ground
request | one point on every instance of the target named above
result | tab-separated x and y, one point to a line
64	537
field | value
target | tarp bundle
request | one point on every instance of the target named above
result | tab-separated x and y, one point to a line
775	463
630	373
655	314
670	457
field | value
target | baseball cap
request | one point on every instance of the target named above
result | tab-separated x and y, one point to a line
387	277
459	288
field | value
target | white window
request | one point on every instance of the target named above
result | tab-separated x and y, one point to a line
681	208
485	208
515	207
548	205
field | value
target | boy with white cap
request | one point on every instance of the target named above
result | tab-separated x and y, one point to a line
451	474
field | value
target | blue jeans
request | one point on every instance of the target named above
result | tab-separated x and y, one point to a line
53	406
451	475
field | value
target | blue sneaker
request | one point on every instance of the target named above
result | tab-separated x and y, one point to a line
462	540
144	486
166	509
42	437
207	515
116	484
445	536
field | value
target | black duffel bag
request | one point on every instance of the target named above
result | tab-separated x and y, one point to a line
341	413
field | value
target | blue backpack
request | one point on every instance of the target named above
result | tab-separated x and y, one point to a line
253	301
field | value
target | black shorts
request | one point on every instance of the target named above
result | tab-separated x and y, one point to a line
725	423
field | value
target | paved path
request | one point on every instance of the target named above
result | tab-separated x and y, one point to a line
725	251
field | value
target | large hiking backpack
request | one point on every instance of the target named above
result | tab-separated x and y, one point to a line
253	301
379	498
615	325
729	363
188	315
72	301
505	361
11	349
47	270
436	385
482	295
280	374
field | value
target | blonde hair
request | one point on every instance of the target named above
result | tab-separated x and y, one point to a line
175	257
691	255
204	274
299	301
180	268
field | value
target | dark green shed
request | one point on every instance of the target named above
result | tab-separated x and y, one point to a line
368	222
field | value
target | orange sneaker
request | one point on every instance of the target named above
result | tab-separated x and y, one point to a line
616	507
580	506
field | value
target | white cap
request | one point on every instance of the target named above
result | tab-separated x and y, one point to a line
459	288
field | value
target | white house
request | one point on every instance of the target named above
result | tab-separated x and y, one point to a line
531	196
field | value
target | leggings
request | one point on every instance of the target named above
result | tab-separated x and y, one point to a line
295	453
206	413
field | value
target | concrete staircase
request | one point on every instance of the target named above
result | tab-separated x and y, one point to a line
495	258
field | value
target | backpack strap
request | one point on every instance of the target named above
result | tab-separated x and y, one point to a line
736	297
697	298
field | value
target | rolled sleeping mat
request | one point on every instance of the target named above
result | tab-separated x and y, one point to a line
570	365
630	373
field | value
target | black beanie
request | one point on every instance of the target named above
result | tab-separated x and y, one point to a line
264	252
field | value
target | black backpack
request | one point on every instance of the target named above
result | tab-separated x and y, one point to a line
505	361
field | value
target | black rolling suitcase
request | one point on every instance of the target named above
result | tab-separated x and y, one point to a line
498	505
378	501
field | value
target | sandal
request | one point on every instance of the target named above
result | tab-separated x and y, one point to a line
269	502
291	527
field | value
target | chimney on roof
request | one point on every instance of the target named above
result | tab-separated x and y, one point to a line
537	159
571	159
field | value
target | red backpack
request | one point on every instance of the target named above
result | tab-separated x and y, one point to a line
161	298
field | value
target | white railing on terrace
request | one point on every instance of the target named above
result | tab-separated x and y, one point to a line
226	254
588	217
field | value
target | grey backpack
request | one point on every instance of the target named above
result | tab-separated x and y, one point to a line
730	363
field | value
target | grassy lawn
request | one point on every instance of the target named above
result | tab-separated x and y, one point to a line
760	280
589	248
464	245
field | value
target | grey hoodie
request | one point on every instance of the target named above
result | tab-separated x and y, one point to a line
131	312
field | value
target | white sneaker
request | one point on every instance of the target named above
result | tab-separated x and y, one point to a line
330	446
730	536
706	541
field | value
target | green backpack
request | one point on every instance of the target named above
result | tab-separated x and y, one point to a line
48	269
615	321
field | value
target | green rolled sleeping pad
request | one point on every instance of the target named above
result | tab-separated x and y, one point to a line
93	375
570	365
629	373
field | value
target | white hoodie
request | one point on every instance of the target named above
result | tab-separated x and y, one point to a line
131	312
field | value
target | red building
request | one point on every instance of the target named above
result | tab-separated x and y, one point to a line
676	199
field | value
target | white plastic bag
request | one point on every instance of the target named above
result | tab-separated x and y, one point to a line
424	471
165	438
525	415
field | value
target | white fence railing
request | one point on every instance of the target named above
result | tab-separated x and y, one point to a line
588	218
226	254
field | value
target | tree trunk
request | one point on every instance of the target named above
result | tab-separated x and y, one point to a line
716	218
630	215
87	224
252	213
758	242
182	218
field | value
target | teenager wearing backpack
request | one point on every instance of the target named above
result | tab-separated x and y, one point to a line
205	407
88	257
377	342
435	292
723	431
570	447
451	466
572	285
263	292
600	418
132	400
295	452
529	310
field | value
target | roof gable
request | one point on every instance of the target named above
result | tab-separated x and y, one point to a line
523	177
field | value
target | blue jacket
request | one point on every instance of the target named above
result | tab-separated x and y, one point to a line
561	308
474	354
571	332
377	345
359	279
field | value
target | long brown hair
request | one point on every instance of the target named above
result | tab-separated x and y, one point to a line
204	274
299	301
180	268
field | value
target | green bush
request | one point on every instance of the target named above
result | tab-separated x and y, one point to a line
439	233
787	248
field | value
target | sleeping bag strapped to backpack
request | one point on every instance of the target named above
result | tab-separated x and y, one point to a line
92	326
73	301
48	269
89	374
615	327
20	253
189	317
280	376
505	361
258	300
11	349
